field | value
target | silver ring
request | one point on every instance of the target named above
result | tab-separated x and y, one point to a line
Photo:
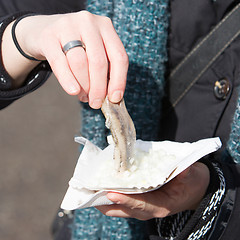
73	44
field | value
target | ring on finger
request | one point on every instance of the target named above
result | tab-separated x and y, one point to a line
72	44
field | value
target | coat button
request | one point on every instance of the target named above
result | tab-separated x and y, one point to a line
221	88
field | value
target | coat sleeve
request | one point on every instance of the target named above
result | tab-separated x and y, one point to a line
11	10
41	6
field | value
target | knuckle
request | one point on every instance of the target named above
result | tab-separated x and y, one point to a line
85	13
122	58
140	205
161	213
107	20
86	16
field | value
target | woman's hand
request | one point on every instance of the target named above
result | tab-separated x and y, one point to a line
92	74
184	192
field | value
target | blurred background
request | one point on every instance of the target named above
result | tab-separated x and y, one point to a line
38	156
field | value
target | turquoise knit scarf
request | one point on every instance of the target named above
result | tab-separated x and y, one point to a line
142	26
233	145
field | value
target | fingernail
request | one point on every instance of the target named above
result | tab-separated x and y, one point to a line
116	96
97	103
73	90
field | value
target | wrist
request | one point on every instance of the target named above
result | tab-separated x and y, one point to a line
33	27
15	39
14	63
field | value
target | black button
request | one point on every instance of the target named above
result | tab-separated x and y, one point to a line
221	88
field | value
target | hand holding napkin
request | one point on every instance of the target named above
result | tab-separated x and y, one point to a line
94	174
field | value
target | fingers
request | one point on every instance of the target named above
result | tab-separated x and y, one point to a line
60	67
123	212
76	58
86	72
106	58
133	201
97	67
90	74
115	211
140	206
133	205
118	60
78	64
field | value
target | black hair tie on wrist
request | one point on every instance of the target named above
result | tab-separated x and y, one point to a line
15	39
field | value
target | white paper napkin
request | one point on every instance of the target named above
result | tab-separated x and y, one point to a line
87	190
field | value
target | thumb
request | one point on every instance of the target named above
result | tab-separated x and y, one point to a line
184	176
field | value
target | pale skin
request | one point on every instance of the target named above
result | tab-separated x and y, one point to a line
82	73
92	74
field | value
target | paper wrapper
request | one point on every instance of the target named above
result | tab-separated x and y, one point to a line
88	189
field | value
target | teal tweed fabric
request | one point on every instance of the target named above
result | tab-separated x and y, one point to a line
233	145
142	26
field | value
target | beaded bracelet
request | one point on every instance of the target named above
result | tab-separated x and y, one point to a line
15	38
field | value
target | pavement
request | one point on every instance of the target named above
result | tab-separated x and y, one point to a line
38	156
